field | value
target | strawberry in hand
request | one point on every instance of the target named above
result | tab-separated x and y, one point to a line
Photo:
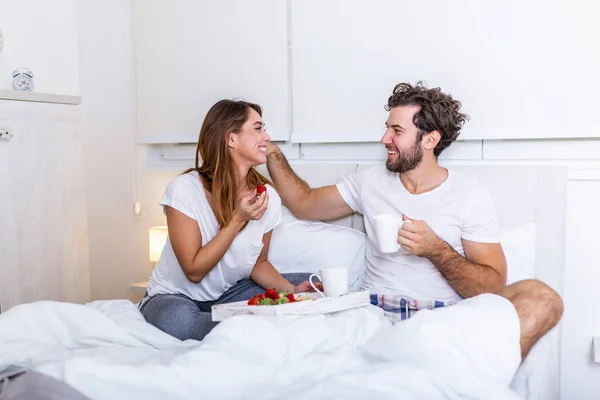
260	189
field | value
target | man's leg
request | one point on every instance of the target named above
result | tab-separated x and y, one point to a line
539	309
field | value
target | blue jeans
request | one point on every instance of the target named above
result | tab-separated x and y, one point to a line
184	318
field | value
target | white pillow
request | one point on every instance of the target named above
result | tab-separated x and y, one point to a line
518	243
308	246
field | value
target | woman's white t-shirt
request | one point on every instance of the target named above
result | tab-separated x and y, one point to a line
186	194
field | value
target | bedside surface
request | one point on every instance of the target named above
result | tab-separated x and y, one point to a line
139	287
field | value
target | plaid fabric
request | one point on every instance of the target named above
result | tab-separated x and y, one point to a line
398	308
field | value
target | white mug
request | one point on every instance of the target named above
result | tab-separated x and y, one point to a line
335	281
386	229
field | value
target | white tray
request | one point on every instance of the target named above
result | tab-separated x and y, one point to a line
317	305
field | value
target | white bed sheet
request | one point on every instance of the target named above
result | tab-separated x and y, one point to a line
107	351
537	377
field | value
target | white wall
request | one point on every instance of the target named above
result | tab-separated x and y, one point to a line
109	125
582	291
40	35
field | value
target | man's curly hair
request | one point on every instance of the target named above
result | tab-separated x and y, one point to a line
439	111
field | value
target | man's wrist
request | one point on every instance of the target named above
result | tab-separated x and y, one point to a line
438	251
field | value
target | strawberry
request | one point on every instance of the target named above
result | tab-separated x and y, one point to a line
271	297
266	302
272	294
260	189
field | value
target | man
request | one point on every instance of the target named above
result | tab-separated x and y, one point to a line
449	250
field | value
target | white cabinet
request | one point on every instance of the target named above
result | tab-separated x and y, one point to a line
190	54
43	221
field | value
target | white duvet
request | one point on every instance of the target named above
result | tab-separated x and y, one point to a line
107	351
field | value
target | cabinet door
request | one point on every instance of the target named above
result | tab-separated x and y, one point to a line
43	221
190	54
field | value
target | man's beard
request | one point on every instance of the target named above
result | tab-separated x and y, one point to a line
406	161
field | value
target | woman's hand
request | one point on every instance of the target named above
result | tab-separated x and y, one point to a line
307	287
251	207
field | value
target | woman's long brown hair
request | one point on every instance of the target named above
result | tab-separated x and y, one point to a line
217	168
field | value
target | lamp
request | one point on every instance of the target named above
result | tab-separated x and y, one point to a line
158	238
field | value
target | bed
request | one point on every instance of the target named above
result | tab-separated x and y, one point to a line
531	206
106	350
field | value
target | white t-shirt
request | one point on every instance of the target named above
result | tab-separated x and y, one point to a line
185	193
460	208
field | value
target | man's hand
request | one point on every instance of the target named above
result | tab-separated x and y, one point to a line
483	270
416	237
324	203
272	149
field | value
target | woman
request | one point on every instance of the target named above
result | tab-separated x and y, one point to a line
219	227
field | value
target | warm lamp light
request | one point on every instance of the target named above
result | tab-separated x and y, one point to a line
158	238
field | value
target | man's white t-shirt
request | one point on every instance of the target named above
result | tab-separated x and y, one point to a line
186	194
460	208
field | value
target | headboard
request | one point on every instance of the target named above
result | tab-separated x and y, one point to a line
522	194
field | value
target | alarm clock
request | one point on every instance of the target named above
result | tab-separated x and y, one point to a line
23	80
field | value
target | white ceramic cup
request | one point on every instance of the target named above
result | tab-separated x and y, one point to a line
335	281
386	230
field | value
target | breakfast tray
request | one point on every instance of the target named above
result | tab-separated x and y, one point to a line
315	305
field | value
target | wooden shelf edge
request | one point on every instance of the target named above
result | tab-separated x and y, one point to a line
39	97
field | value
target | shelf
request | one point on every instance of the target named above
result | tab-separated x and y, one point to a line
170	138
139	288
357	137
500	134
39	97
177	138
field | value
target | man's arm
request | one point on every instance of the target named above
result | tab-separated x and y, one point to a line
324	203
482	271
